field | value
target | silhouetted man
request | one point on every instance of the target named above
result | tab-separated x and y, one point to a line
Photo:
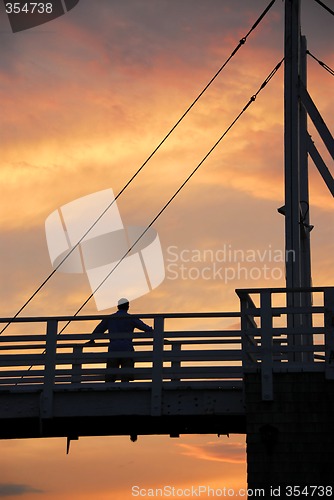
120	322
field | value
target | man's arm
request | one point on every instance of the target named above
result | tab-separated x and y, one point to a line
138	323
100	328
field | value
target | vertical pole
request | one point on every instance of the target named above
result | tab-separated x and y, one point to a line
306	279
304	184
266	347
248	330
176	364
157	368
329	332
244	333
292	163
49	369
76	366
291	142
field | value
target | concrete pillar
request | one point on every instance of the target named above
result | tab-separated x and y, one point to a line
290	440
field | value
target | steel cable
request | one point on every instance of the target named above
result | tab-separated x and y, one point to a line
251	100
244	109
324	65
240	44
325	7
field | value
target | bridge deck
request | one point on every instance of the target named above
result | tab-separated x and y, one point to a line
187	378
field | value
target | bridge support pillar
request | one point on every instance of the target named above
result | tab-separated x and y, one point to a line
290	440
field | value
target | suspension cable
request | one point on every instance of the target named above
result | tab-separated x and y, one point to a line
251	100
240	44
327	68
325	6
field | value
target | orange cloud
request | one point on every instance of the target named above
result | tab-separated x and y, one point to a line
83	105
227	452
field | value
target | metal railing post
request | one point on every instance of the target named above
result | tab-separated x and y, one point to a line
266	347
76	366
248	325
329	332
176	364
158	347
49	369
244	328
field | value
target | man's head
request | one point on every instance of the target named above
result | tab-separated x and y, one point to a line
123	304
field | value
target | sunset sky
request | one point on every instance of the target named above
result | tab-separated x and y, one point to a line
85	99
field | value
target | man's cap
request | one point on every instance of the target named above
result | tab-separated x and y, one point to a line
123	301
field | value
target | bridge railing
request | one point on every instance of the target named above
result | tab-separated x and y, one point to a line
278	337
42	357
267	335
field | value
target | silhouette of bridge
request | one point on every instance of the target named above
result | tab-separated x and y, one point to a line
188	378
266	370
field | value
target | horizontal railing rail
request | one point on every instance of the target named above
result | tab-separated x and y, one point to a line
50	361
274	334
296	336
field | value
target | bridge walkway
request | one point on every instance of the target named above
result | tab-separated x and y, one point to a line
189	372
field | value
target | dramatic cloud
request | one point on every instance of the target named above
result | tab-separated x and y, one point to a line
84	102
230	453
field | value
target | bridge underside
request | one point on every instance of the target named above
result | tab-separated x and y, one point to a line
111	411
123	426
